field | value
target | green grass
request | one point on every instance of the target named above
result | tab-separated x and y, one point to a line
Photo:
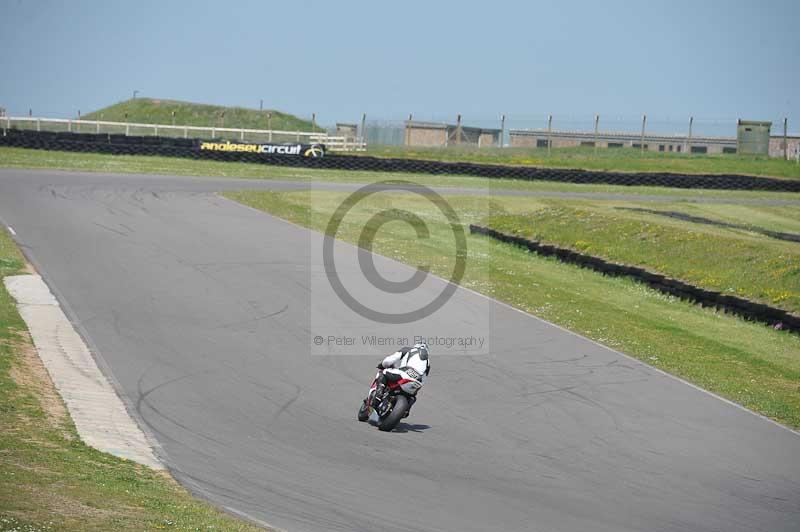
96	162
619	160
159	111
49	479
733	261
749	363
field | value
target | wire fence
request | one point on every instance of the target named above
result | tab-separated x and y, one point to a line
392	132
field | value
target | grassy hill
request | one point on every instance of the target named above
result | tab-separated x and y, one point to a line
156	111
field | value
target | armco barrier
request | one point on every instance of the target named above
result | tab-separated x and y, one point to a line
735	305
176	147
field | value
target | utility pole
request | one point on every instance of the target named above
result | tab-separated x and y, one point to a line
408	131
269	125
458	129
502	129
689	143
134	94
549	132
261	105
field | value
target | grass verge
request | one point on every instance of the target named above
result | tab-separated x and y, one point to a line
139	164
748	363
51	480
619	160
734	261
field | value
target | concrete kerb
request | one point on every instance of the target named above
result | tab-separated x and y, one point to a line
99	414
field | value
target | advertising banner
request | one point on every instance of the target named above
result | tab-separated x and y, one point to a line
302	150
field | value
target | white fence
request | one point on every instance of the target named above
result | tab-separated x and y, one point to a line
333	143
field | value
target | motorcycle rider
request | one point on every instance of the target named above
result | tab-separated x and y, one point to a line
416	357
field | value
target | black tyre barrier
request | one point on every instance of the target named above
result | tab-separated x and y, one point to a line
189	148
790	237
744	308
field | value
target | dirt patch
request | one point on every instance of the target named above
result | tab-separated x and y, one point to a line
28	268
30	374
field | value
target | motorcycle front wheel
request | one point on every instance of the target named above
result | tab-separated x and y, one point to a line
363	412
388	423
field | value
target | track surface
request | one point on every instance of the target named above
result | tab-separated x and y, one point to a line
198	309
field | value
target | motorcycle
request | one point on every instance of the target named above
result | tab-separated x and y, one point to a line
394	401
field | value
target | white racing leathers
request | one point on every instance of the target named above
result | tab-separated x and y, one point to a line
407	357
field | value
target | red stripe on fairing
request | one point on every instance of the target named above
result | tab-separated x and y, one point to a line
403	381
393	385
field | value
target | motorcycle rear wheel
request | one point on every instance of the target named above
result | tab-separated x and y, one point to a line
389	423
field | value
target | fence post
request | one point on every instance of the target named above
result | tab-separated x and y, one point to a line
241	135
689	141
156	130
549	131
785	139
213	132
644	122
596	125
363	130
269	125
97	126
38	124
127	126
185	132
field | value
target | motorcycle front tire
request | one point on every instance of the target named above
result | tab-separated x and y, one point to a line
388	423
363	412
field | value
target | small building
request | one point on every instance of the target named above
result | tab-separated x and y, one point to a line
752	137
788	151
435	134
539	138
348	131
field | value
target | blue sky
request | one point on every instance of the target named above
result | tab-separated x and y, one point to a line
712	59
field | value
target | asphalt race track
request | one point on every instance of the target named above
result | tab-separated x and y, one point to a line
198	309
